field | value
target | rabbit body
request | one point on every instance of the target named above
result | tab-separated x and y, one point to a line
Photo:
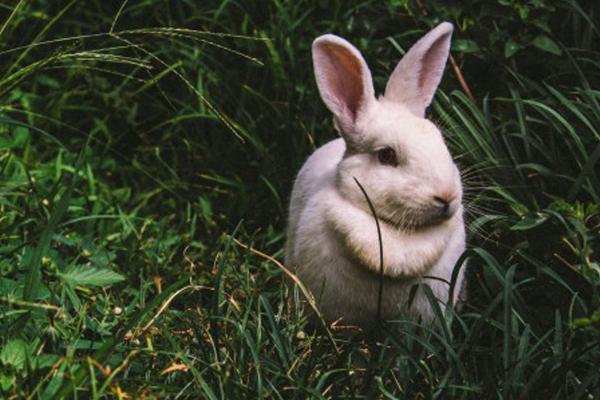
401	160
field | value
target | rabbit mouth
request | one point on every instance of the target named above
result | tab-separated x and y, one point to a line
405	222
416	220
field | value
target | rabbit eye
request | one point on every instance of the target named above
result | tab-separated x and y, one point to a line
387	156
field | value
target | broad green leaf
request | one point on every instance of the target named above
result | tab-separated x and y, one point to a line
14	353
465	46
529	221
16	140
511	47
82	275
21	136
11	287
7	381
546	44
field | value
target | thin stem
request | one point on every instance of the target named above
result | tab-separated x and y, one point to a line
380	294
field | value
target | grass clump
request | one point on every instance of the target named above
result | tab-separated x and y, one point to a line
147	150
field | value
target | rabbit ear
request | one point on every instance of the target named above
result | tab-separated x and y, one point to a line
418	74
344	80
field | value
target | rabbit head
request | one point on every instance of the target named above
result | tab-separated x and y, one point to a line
397	155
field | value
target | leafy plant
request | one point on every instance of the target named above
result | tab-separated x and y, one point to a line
135	137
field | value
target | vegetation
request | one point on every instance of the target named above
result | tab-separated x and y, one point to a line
147	151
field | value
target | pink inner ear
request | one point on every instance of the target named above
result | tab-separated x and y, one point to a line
433	64
345	79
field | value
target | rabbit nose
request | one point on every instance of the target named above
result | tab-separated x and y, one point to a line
444	202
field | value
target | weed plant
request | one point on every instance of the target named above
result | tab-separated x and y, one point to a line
147	151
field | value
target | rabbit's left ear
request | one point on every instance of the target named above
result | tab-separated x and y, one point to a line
416	77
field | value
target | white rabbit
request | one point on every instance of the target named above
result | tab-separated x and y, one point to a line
401	160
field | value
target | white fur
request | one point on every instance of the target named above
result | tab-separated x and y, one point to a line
332	240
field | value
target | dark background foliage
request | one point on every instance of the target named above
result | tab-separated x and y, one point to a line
137	137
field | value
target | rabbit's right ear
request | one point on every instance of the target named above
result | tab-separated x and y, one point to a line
344	81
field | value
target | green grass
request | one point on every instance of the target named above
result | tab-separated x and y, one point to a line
147	151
